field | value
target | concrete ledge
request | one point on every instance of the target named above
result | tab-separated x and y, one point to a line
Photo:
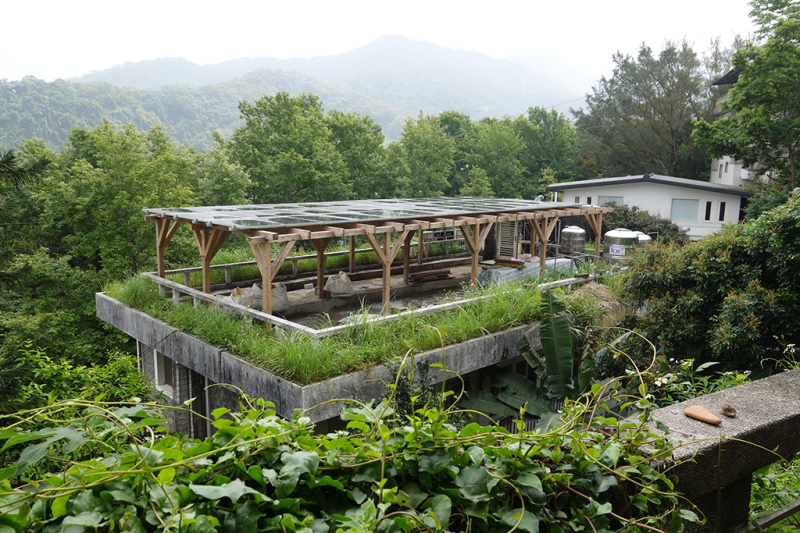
718	479
223	367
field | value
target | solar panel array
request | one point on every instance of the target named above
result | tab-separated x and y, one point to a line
273	216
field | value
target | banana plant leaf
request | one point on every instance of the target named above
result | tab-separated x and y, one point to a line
557	347
489	404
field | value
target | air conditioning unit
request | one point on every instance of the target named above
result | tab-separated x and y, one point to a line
507	240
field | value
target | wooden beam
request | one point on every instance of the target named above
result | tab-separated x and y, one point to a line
282	255
263	254
164	234
209	241
475	238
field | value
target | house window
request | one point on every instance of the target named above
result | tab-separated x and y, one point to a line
685	210
164	378
719	174
603	200
577	199
726	167
589	200
708	210
722	211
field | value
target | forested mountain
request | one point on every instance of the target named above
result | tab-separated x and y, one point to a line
398	71
35	108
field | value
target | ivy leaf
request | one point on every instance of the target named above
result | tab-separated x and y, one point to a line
233	490
294	464
527	520
85	519
530	480
689	515
59	507
247	515
472	483
416	495
441	506
435	461
613	451
166	475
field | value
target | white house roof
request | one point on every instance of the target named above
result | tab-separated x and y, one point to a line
651	178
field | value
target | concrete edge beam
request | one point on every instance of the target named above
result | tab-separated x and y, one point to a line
223	367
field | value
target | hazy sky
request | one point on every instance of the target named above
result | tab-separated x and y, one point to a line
57	39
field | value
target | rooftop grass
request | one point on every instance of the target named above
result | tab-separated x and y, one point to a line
305	360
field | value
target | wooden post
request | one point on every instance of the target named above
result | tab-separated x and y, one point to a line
352	253
262	250
407	257
420	247
543	228
386	254
164	234
596	223
209	241
475	239
320	245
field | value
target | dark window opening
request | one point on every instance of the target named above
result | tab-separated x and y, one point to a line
708	210
722	211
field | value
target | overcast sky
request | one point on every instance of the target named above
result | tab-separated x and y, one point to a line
57	39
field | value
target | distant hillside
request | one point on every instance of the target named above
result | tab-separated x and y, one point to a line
35	108
397	71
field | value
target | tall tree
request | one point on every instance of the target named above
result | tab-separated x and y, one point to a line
496	148
285	146
764	104
97	203
359	140
457	126
551	142
428	154
640	119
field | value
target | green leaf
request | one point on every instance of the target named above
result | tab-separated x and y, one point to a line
557	347
472	483
612	451
166	475
527	520
85	519
233	490
441	506
59	507
416	495
247	515
294	464
487	403
435	461
689	515
530	480
470	430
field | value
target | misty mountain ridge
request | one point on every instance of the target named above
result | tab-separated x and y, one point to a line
413	75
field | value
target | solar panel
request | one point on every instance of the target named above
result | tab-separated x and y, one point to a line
274	216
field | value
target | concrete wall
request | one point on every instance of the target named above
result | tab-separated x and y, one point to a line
715	464
656	198
220	366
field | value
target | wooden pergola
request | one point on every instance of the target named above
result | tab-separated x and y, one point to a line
320	222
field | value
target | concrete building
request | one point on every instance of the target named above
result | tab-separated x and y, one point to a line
698	207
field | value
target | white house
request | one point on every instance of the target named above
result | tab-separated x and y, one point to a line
699	207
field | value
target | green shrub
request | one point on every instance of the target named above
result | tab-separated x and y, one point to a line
728	297
635	219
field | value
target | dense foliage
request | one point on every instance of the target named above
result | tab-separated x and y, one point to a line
640	119
732	297
636	219
123	471
764	104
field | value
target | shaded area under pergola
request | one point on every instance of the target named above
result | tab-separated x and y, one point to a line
387	225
